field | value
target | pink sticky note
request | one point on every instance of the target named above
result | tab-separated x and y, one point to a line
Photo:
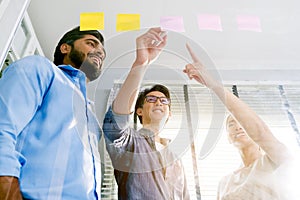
172	23
248	23
209	22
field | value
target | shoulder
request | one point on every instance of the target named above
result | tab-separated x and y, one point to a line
34	64
225	178
222	183
122	121
35	69
33	60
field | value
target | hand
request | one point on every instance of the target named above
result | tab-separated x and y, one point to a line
146	49
9	188
197	71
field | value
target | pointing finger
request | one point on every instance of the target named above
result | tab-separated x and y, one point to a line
193	55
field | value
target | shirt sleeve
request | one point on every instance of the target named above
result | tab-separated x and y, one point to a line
114	125
116	131
22	88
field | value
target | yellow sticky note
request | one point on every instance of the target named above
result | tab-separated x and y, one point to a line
128	22
91	21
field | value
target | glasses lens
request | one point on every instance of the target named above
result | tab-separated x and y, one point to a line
164	100
151	99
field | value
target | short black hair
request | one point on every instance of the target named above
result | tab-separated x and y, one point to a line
70	37
142	95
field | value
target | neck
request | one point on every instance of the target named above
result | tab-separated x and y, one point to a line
155	128
249	154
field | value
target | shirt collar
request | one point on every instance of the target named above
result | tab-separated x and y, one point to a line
77	76
71	71
149	134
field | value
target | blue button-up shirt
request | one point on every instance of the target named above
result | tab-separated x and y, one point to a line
48	133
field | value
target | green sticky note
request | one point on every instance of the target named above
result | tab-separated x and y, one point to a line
92	21
128	22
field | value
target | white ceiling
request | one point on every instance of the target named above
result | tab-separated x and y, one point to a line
276	47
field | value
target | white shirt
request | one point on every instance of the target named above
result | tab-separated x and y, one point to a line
256	182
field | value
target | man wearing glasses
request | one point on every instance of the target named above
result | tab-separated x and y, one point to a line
144	167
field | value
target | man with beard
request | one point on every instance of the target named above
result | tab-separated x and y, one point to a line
48	132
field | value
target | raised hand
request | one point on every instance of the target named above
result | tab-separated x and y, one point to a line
147	49
197	71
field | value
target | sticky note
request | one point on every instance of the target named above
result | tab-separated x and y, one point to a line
172	23
92	21
248	23
209	22
128	22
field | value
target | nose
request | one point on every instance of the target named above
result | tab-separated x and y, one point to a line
158	102
238	126
100	51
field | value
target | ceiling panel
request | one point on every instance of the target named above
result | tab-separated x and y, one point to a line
277	46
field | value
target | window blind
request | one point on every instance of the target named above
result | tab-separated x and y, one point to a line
222	158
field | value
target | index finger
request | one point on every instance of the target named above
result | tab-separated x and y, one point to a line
193	55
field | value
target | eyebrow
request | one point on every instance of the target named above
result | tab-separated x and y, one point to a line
156	96
97	43
231	121
93	40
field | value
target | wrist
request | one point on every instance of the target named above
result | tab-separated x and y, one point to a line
140	64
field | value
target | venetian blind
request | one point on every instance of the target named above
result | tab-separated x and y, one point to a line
197	121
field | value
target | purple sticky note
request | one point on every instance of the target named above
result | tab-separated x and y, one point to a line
209	22
248	23
172	23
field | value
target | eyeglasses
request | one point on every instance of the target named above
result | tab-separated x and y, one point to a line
153	99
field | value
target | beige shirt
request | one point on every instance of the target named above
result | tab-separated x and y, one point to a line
174	174
256	182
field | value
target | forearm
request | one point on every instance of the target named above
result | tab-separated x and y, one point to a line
125	100
9	188
241	111
247	118
255	127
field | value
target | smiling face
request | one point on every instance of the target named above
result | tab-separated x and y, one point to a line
154	112
86	54
236	134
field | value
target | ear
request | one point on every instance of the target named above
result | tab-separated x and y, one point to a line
139	111
65	48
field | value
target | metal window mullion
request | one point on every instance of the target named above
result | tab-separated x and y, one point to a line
10	20
286	107
193	151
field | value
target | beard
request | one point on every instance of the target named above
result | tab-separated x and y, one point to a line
91	69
